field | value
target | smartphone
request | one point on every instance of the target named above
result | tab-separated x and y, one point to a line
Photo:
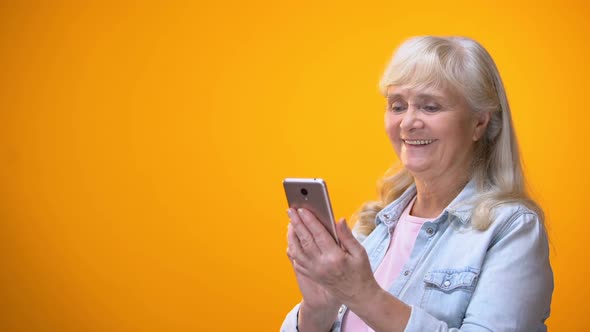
312	194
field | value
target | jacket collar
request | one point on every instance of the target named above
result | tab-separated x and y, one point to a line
460	207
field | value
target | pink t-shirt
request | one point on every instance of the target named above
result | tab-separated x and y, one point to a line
399	250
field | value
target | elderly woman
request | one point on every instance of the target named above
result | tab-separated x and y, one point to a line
455	243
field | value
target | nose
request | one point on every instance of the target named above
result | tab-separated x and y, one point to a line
411	120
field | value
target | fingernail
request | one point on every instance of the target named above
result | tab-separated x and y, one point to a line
300	211
289	213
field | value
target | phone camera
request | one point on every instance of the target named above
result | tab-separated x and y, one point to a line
304	191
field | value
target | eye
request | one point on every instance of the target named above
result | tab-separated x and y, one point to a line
397	107
431	108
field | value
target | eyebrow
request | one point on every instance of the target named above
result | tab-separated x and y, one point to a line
394	95
419	96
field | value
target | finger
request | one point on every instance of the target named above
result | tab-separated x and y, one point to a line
288	251
321	235
306	241
294	251
293	246
301	269
289	255
347	240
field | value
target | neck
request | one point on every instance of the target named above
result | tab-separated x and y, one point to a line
434	194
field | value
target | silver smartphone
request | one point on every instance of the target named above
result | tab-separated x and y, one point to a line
312	194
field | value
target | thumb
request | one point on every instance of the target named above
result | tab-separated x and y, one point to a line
347	240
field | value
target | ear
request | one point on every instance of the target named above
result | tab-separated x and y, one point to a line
481	124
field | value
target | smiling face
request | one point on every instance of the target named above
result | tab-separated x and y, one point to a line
432	130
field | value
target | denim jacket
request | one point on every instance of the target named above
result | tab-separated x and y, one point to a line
461	279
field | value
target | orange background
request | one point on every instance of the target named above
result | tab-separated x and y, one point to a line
142	148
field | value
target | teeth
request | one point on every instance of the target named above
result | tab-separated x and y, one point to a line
419	141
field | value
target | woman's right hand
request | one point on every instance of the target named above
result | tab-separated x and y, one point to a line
319	308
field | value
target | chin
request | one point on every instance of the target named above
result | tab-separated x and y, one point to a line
416	168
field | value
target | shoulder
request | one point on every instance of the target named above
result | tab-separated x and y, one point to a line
511	219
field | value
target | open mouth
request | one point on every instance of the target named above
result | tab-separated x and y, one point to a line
418	142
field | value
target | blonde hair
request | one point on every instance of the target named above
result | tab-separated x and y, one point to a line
465	67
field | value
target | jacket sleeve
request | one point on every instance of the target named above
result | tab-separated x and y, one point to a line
290	322
514	288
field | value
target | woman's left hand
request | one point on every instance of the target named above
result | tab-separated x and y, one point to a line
343	270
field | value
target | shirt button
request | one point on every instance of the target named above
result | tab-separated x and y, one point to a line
406	273
429	231
446	284
341	309
386	216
